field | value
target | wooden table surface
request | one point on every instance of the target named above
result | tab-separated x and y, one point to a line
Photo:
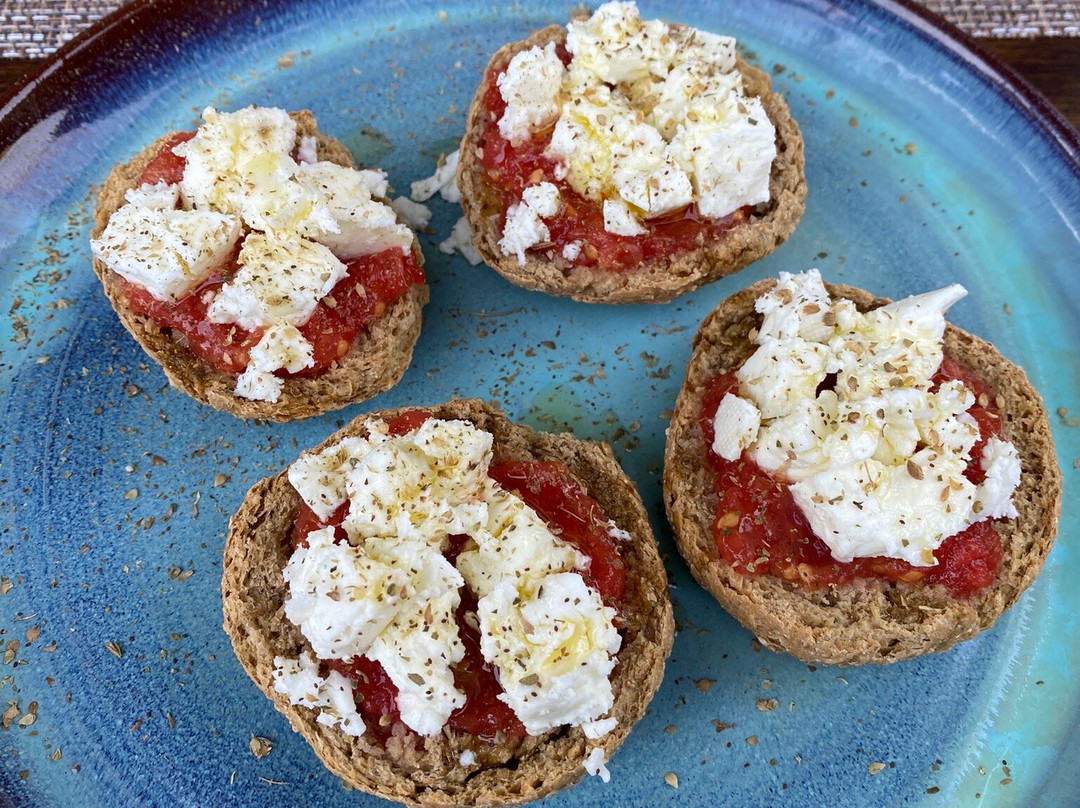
1051	64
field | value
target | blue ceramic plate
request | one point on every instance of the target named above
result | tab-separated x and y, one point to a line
924	167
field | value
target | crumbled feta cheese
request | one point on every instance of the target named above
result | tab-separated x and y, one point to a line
594	764
393	602
870	509
308	150
1001	462
443	182
167	252
523	230
461	240
616	46
617	533
467	758
652	115
414	214
389	594
542	198
735	426
729	159
600	727
876	461
160	197
282	278
282	347
514	543
417	651
620	220
554	646
360	224
530	86
330	695
217	157
341	599
423	486
572	250
258	385
320	477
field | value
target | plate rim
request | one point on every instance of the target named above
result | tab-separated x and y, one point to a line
19	110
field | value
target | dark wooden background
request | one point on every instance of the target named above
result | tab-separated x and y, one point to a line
1052	64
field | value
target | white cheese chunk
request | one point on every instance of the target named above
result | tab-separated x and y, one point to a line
818	434
572	250
1001	462
530	86
161	196
781	373
594	764
282	278
599	727
320	477
467	758
795	307
620	220
327	203
361	225
414	214
417	651
461	240
341	598
735	426
554	647
258	385
515	544
617	46
308	149
893	346
167	252
423	485
523	230
331	695
442	182
218	155
542	198
729	160
905	512
282	347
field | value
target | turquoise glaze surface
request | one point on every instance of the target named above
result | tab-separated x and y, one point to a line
922	171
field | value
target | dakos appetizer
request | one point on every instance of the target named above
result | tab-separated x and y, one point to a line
452	609
855	480
622	160
262	270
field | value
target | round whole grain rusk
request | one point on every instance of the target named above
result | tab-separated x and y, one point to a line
866	621
656	280
376	362
427	771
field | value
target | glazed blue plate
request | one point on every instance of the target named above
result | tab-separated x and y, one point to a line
925	166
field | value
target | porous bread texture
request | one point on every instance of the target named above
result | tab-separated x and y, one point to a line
376	361
659	279
421	771
866	621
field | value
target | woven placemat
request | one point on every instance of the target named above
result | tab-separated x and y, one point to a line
34	28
